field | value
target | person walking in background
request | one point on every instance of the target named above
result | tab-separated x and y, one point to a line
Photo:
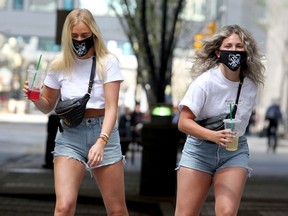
95	143
52	128
219	66
125	129
251	124
137	124
274	117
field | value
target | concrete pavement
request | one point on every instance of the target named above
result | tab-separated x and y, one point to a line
27	189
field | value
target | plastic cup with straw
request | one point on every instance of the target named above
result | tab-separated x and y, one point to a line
233	125
37	67
35	79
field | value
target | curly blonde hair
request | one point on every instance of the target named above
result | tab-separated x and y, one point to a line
66	58
205	58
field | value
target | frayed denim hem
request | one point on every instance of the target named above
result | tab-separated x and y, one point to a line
123	158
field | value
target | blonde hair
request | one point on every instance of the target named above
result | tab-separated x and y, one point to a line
205	58
65	60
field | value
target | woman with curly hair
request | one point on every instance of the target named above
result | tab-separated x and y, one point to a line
227	60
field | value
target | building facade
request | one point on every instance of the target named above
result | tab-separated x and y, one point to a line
33	25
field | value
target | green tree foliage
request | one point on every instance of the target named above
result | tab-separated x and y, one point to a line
152	27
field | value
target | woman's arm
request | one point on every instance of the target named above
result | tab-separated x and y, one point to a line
111	91
47	100
188	125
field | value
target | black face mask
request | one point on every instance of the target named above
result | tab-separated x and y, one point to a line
82	47
233	59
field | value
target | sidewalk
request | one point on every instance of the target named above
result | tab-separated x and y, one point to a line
27	189
24	181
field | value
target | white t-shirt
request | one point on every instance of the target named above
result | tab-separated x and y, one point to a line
76	84
211	94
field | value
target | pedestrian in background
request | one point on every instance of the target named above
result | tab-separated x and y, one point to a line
52	128
205	162
251	124
95	143
125	129
274	117
137	125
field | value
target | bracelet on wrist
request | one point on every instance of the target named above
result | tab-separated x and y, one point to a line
104	135
103	138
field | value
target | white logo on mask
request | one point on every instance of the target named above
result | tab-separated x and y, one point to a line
80	49
234	60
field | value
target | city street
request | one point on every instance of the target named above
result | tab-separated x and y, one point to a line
160	49
25	185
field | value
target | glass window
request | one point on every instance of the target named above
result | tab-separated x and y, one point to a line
42	5
100	9
126	48
18	4
48	44
195	10
3	4
68	4
44	44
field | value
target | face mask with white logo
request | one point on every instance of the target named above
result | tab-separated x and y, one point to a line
82	47
233	59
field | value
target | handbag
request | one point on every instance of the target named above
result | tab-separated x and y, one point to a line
72	111
216	122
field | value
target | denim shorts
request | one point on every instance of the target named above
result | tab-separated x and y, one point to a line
210	157
76	142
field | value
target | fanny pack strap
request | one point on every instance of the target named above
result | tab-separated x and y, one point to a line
91	81
92	75
238	94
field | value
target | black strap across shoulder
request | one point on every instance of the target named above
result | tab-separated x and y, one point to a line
238	94
92	75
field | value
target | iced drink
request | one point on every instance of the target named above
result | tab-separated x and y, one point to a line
233	125
233	146
35	83
34	95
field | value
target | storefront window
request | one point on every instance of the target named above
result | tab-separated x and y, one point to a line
195	10
102	8
68	4
48	44
126	48
42	5
18	4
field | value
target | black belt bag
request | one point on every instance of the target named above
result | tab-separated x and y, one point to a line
72	111
214	123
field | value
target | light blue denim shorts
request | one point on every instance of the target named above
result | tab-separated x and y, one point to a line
76	142
210	157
